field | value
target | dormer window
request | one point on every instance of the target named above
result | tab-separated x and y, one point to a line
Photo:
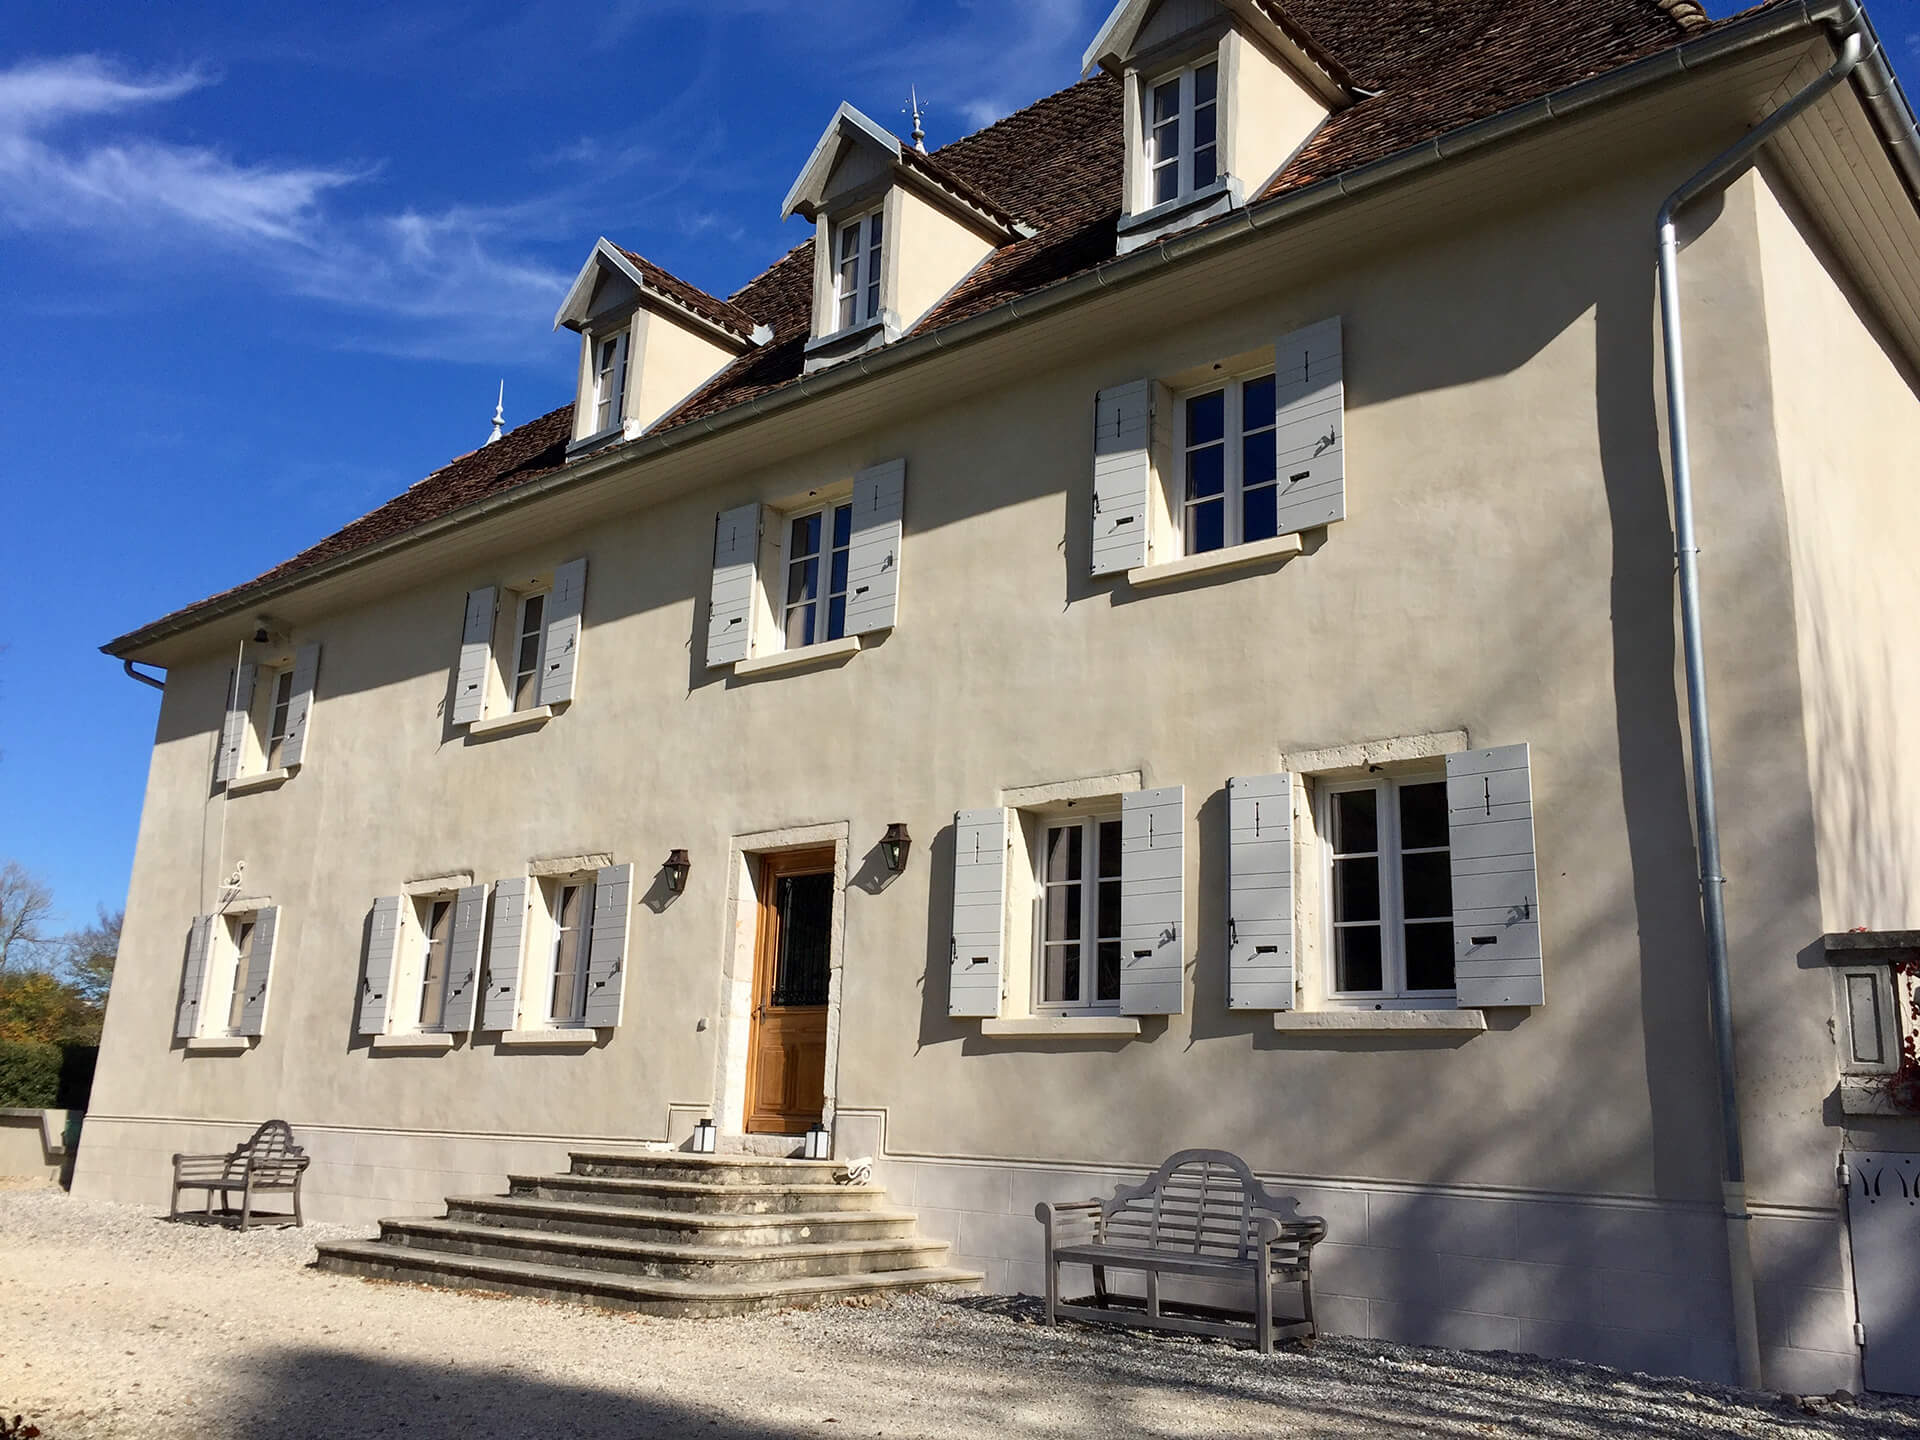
857	280
1183	152
609	380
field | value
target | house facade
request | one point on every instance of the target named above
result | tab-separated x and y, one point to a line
1156	627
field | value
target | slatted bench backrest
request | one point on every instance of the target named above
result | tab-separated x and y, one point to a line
272	1156
1200	1202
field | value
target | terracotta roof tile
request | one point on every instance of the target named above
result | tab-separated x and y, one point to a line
1438	65
722	313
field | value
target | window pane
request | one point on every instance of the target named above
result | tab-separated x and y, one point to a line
1206	472
1357	958
842	526
1429	957
1256	403
1062	979
1423	815
1260	515
1256	459
1107	907
1109	849
1166	183
837	618
1063	853
1207	527
1427	883
804	537
873	230
803	967
800	625
837	574
1203	119
1206	84
848	297
1206	417
803	580
1355	828
850	242
1109	979
1206	166
1166	101
1356	889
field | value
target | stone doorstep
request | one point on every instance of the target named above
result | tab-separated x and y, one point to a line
639	1257
741	1198
627	1221
725	1171
649	1295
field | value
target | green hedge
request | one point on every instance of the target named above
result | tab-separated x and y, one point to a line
29	1074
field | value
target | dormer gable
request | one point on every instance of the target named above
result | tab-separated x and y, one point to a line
894	232
648	340
1220	95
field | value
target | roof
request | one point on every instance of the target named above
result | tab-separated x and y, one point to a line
1436	65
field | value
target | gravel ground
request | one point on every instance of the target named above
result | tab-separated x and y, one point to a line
115	1323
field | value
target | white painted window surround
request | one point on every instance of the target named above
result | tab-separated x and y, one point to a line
1387	896
519	650
859	248
609	378
1181	131
225	981
263	740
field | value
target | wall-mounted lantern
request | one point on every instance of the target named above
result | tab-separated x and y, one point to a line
894	845
677	867
703	1138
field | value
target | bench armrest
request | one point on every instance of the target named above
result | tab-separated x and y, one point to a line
1290	1242
1070	1220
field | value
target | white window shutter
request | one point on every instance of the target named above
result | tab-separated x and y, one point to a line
253	1005
500	1010
1260	892
979	912
383	949
193	979
476	657
1122	476
1153	887
873	559
233	733
1310	427
607	950
306	671
1496	902
463	958
736	557
561	653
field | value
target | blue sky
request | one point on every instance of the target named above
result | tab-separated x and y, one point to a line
259	272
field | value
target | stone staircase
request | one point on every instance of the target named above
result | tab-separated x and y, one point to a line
665	1234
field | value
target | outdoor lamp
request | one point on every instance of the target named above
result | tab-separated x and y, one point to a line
677	867
703	1138
819	1142
896	843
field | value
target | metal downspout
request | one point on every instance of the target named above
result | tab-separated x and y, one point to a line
142	677
1712	883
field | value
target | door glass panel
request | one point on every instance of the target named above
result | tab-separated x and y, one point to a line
804	904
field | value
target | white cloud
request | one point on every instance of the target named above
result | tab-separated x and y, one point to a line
455	267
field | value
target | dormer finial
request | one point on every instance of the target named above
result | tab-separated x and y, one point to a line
499	413
919	130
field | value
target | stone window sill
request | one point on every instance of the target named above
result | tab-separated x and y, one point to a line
1183	208
1260	552
219	1045
424	1042
265	780
826	652
1078	1027
1379	1022
506	724
1862	1095
556	1039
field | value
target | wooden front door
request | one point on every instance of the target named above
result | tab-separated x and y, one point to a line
787	1059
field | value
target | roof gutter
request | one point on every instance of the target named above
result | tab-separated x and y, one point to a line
1885	101
1733	1172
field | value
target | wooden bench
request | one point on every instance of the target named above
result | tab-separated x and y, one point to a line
1200	1215
269	1163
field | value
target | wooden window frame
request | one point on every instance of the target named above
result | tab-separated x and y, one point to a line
868	265
553	895
1089	822
1185	76
1233	440
822	601
1394	993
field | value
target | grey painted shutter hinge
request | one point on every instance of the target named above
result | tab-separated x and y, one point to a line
1859	1333
1845	1174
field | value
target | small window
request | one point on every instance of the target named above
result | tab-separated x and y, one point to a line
523	681
1227	465
609	380
1390	891
1183	153
814	604
856	280
1079	942
240	930
437	932
277	717
572	927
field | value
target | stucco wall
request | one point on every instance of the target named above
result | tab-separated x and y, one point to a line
1506	569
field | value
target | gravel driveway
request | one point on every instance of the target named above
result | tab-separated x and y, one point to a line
114	1323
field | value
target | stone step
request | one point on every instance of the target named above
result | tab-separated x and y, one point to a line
703	1169
686	1227
735	1263
733	1199
647	1294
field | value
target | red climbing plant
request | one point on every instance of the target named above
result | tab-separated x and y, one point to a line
1902	1087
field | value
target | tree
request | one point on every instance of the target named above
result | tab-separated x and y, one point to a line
90	956
25	907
